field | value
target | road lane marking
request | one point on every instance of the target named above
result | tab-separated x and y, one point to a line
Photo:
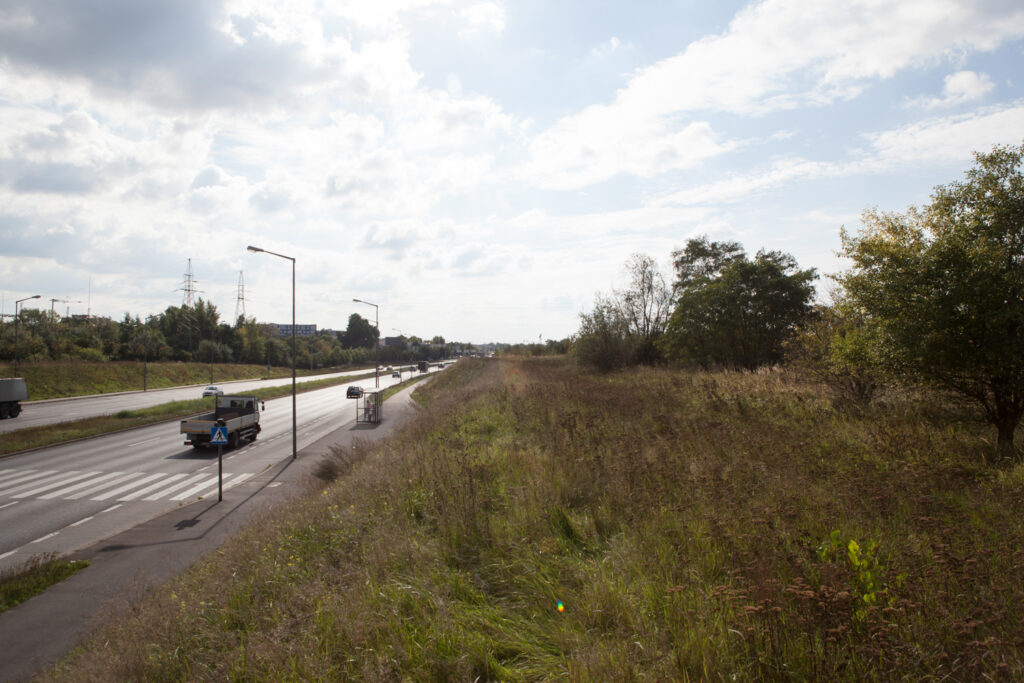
7	505
11	474
129	486
52	485
111	508
182	484
81	521
79	486
206	483
151	487
106	485
9	553
236	479
139	443
20	480
43	538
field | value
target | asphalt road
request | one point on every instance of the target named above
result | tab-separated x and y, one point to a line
36	413
66	497
127	565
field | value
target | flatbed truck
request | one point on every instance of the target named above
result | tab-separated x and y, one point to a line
239	415
12	390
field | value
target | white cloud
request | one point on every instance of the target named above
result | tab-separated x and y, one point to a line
776	54
951	139
484	16
958	88
601	142
606	48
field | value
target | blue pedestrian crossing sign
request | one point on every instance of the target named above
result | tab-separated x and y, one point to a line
219	436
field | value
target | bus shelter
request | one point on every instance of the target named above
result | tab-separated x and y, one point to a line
369	407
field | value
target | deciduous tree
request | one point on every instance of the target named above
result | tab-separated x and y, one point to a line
945	286
733	311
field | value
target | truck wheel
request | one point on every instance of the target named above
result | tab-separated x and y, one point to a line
15	410
5	411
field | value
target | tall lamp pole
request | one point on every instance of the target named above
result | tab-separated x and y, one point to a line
295	430
16	316
376	322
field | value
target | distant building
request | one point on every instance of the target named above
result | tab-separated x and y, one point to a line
300	330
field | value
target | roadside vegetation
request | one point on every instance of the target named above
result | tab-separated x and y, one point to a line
541	522
19	584
48	435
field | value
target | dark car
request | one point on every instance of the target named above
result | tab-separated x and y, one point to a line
354	391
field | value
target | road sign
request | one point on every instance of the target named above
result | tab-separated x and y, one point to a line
219	436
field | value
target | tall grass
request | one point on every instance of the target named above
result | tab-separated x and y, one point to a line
693	526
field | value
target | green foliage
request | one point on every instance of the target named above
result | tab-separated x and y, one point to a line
944	285
869	584
836	345
21	583
360	333
624	329
603	341
731	311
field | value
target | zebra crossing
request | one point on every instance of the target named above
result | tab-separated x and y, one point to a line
34	484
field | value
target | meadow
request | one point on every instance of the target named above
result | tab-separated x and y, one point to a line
538	522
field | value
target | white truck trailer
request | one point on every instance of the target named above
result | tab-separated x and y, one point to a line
239	415
12	390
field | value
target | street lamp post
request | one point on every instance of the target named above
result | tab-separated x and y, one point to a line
376	322
295	431
16	316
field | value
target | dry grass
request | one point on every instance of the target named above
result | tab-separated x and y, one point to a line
694	526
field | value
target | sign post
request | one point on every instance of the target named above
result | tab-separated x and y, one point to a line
219	437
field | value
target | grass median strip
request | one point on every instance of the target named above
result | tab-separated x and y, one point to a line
48	435
18	585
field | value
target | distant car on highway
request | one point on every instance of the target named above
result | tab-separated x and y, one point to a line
397	374
212	391
354	392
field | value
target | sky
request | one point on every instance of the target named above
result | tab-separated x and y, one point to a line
479	169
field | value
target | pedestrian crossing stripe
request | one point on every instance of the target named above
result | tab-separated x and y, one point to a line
119	486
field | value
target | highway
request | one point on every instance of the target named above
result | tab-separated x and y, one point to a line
66	497
36	413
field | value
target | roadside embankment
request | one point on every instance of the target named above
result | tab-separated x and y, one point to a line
540	523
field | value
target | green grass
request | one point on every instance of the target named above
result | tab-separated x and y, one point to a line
61	432
20	584
695	526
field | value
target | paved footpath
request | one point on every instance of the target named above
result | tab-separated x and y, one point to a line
128	566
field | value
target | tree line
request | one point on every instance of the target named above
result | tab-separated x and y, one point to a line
196	333
934	297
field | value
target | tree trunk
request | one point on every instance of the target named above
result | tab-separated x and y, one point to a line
1007	417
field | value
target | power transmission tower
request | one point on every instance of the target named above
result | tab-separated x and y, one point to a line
240	299
188	303
189	288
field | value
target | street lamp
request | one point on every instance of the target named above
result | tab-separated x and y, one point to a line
16	330
295	431
376	323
